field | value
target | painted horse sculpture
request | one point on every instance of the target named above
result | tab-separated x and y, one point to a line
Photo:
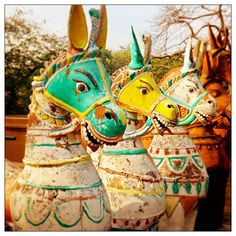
59	188
175	155
132	181
213	141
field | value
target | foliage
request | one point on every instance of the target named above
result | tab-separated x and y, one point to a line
162	65
117	59
27	49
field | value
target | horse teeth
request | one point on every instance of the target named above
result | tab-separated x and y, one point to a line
84	131
89	130
83	123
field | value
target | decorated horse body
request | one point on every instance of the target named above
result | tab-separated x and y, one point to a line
213	141
59	188
132	181
175	155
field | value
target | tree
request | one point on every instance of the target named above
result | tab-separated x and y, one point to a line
162	65
27	50
177	22
117	59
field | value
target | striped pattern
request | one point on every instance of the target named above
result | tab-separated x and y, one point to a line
171	81
59	64
123	76
172	77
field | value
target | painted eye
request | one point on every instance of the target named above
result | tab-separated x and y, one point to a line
144	91
215	93
82	87
191	90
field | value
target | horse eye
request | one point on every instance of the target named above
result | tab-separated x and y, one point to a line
191	90
144	91
215	93
82	87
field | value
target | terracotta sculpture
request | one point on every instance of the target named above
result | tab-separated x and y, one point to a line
59	188
132	181
175	155
213	141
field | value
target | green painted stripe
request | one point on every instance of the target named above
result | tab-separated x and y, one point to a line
125	152
29	221
48	187
99	219
182	158
185	74
66	225
50	144
17	219
200	165
158	160
169	83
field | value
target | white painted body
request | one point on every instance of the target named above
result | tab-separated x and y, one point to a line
185	178
59	188
133	183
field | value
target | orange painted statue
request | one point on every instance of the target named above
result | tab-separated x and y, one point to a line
213	141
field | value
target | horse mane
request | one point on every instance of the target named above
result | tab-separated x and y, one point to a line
62	61
123	76
119	78
170	78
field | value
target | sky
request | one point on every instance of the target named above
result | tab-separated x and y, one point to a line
120	19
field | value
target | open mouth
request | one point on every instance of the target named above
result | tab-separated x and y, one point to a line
203	117
93	139
161	124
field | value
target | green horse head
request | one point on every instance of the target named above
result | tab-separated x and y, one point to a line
80	84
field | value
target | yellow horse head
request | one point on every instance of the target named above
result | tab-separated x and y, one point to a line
136	90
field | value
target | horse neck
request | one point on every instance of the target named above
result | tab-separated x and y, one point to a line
133	143
41	147
45	113
177	142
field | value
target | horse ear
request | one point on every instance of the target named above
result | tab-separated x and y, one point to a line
188	57
199	52
148	45
212	38
196	50
77	28
102	33
219	40
136	55
226	37
207	67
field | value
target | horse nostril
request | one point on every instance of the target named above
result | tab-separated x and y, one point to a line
108	115
170	106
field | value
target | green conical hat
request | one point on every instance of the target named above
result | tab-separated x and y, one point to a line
136	55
